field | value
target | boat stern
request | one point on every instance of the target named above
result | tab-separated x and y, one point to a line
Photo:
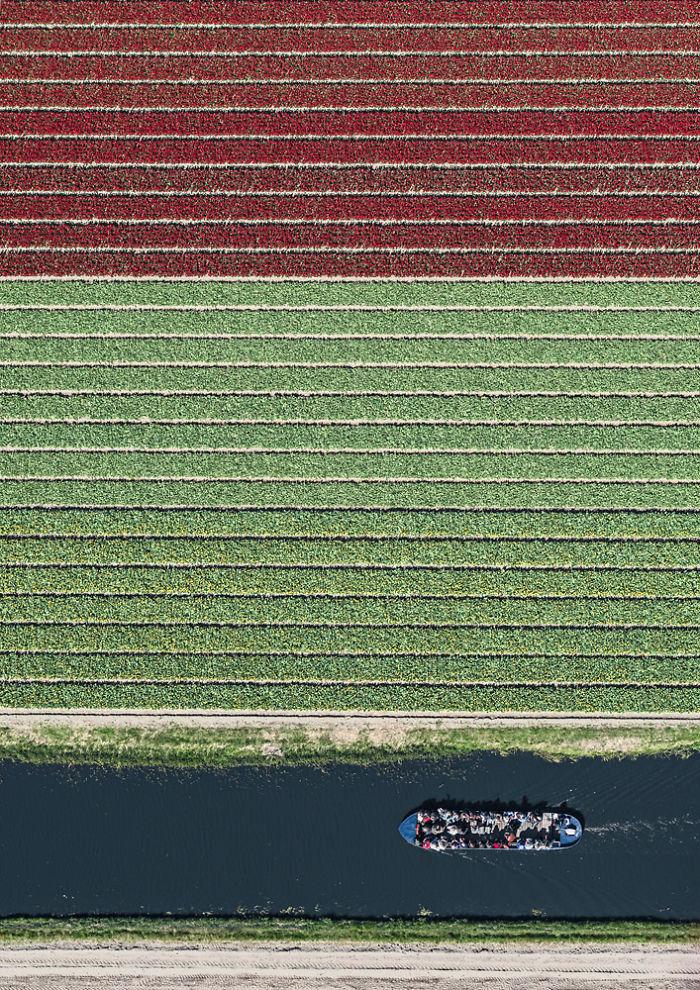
570	830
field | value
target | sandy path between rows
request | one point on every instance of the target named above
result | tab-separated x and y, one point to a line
342	967
199	716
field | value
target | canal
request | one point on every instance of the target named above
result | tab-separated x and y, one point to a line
324	841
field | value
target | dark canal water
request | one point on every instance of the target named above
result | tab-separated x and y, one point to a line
325	841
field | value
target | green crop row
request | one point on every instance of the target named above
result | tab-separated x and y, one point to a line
341	293
345	322
316	523
506	407
359	437
347	378
347	610
373	465
410	641
414	668
394	697
213	578
300	492
363	351
275	549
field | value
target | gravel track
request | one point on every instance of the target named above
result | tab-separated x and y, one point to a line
286	967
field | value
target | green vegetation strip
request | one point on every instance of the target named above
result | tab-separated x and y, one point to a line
296	929
43	292
377	467
461	523
417	495
367	323
222	578
327	654
362	436
551	673
579	491
402	348
583	404
389	697
342	379
304	550
409	609
195	745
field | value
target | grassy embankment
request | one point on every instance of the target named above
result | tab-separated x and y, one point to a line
200	746
24	929
451	496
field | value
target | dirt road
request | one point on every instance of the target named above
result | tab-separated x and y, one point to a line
344	967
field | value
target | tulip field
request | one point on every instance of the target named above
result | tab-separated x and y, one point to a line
350	355
350	495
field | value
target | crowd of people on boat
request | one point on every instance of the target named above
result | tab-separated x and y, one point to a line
444	829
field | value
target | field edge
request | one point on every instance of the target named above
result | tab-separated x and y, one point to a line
201	740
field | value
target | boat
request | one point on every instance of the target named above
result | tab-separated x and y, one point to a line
456	830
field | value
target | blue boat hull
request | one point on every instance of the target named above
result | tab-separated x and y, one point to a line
408	827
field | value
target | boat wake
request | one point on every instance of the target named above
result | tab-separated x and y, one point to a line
672	830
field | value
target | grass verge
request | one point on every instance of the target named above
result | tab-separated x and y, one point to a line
181	746
133	929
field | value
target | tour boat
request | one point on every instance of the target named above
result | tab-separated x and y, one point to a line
454	830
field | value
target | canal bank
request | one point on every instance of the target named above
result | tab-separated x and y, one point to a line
322	841
197	738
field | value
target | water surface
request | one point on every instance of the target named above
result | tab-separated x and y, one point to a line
324	841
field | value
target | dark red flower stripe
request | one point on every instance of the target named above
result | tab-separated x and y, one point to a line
338	207
266	68
366	265
310	182
360	95
344	11
385	236
320	39
396	150
315	123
